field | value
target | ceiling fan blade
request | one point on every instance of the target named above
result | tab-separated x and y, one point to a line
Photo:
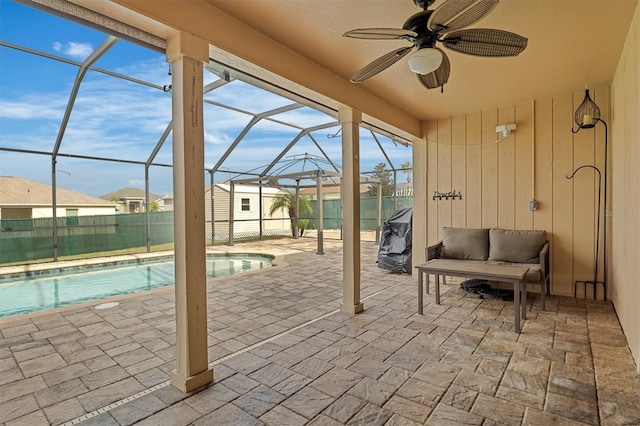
439	77
380	64
457	14
381	34
485	42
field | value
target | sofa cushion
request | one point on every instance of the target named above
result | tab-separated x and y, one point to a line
463	243
515	245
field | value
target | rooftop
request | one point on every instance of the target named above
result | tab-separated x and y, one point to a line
17	191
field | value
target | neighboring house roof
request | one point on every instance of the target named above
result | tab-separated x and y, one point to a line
129	194
245	189
17	191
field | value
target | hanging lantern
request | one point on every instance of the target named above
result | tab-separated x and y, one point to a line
588	113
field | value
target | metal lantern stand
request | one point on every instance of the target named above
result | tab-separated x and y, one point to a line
586	117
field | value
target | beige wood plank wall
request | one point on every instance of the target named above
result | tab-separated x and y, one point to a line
498	176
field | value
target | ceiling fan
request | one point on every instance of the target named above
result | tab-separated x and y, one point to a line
442	25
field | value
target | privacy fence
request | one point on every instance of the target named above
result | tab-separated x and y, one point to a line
24	240
31	239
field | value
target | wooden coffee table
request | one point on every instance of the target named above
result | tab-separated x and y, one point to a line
484	271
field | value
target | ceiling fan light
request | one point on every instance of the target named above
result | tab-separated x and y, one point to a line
425	60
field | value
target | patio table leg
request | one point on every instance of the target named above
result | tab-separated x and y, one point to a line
420	290
516	304
523	285
437	289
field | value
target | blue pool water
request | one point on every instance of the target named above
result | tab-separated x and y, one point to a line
31	294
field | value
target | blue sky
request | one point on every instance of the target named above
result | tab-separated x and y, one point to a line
116	118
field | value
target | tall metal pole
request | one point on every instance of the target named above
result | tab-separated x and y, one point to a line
260	209
320	212
213	210
296	219
146	209
232	202
378	212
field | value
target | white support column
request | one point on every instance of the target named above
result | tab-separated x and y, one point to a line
419	225
187	55
350	120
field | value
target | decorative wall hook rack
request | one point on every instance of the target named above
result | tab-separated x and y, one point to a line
437	195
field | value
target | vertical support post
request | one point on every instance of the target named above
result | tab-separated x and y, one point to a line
350	120
213	210
147	218
379	212
54	208
319	213
186	54
296	219
395	189
342	208
232	209
260	209
419	224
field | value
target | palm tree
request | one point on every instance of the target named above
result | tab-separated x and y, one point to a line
287	200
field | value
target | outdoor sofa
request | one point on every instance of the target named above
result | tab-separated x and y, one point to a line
498	246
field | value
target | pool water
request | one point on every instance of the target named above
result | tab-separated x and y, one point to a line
31	294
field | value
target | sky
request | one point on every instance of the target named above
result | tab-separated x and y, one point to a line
118	119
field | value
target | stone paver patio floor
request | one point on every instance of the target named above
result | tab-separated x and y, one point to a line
283	354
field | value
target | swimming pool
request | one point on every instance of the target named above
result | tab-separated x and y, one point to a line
47	290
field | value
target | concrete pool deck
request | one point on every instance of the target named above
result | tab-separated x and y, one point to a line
283	355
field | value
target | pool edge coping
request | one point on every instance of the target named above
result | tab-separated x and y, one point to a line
278	261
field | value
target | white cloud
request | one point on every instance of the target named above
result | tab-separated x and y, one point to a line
73	49
136	182
217	138
32	107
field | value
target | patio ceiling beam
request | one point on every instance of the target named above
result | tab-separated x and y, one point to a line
83	15
294	141
248	127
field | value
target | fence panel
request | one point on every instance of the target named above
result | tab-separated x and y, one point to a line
24	240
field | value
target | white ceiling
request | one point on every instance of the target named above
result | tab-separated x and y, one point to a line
571	43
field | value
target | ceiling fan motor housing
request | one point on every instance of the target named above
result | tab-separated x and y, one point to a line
423	4
418	24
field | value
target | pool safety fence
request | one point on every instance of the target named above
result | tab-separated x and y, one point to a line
24	240
332	211
32	239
